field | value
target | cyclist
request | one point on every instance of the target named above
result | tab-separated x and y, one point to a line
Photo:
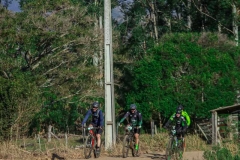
184	114
180	122
136	121
97	121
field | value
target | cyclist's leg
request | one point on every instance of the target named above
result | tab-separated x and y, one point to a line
98	135
136	135
183	141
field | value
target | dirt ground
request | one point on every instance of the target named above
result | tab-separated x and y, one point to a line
193	155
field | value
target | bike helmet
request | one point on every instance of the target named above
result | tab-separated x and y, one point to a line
95	105
133	106
180	108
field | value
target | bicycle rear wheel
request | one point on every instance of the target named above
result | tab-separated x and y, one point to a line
89	146
126	146
170	150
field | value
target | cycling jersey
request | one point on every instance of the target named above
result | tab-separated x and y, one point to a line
134	118
97	117
185	115
180	123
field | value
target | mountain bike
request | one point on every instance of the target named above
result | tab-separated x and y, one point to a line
175	148
129	142
91	143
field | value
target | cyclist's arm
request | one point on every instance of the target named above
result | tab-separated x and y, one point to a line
184	123
140	119
101	118
172	117
185	114
170	120
124	117
86	116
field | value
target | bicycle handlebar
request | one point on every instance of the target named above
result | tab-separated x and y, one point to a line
90	128
128	125
87	127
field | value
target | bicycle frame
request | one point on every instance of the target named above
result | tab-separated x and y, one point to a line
91	143
91	132
174	148
129	130
129	141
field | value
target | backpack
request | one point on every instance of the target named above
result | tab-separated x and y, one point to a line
97	113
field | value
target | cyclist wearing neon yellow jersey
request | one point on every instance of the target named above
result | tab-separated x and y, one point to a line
183	113
180	124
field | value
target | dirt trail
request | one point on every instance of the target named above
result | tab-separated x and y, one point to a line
193	155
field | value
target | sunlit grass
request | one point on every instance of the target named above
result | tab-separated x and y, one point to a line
71	149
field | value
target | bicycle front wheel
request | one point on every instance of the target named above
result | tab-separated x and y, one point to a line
179	151
126	146
89	146
169	150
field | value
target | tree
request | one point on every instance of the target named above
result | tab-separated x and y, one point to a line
198	71
51	44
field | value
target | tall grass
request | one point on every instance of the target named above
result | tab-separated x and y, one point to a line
31	149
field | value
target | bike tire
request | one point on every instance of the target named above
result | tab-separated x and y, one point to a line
179	151
170	150
126	146
89	146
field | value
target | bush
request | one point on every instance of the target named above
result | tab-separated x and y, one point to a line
220	154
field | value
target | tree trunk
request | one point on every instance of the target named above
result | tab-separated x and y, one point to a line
49	133
189	20
160	121
234	23
95	55
202	15
154	21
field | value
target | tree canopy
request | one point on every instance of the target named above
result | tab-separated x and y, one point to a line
198	71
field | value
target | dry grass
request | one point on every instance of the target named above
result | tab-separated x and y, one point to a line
232	147
194	143
58	149
11	151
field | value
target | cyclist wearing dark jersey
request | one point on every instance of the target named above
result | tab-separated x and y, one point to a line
97	121
179	122
135	119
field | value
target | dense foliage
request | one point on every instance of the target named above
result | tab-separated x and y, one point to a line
184	70
46	64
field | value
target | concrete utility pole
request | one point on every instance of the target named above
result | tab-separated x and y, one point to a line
110	131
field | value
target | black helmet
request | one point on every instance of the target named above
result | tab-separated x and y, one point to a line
180	108
95	105
133	106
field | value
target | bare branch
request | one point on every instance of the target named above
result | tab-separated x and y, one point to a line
54	68
212	18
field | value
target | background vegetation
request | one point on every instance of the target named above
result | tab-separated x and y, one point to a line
166	53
